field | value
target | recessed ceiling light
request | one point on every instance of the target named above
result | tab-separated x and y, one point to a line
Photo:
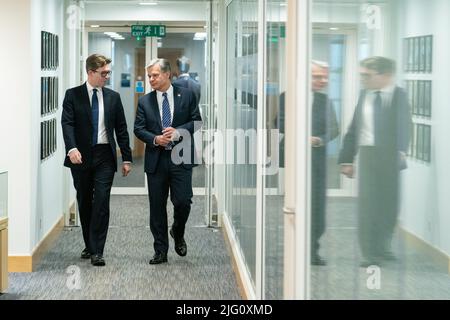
333	28
95	26
148	3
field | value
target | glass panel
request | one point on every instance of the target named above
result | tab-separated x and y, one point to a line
128	69
242	70
3	194
378	217
274	189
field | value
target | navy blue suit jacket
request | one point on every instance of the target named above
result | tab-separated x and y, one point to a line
148	123
76	122
396	120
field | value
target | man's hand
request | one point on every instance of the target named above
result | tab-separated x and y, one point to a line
75	157
126	168
316	142
162	140
347	170
170	133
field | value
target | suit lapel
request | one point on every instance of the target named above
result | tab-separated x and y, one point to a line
177	104
106	107
155	108
85	101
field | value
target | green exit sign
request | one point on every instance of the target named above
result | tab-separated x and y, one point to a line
148	31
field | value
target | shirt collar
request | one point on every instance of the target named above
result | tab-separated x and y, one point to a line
90	88
169	92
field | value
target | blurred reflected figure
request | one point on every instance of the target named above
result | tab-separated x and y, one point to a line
324	129
379	132
185	80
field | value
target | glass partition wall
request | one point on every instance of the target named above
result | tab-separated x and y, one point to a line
253	156
377	98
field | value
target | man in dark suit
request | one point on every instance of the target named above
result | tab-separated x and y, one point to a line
166	119
91	115
380	133
324	129
185	80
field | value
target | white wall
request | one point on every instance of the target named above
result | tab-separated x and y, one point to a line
15	120
35	189
426	203
46	176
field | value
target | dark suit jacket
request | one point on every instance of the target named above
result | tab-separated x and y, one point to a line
396	121
188	82
148	123
76	121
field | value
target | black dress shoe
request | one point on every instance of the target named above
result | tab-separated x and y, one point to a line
158	258
97	260
85	254
180	244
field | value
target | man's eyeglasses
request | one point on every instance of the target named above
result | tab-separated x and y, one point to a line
104	74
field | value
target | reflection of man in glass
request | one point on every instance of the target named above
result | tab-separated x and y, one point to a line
379	132
324	129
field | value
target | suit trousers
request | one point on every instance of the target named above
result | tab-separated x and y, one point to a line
377	200
178	180
318	197
93	186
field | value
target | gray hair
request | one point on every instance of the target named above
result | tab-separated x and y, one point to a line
163	63
321	64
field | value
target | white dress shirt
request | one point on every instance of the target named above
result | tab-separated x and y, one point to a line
367	133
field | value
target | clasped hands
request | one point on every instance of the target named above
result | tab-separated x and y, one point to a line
168	134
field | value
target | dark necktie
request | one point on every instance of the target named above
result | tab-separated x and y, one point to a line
166	116
94	117
377	118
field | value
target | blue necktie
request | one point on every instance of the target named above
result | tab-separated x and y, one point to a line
377	119
94	117
166	117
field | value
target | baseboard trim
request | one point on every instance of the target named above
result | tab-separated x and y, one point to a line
239	268
29	263
439	257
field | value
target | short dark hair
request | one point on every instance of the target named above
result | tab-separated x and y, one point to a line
381	65
183	64
95	61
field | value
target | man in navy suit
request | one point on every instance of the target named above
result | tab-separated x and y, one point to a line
380	133
166	119
91	115
185	80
